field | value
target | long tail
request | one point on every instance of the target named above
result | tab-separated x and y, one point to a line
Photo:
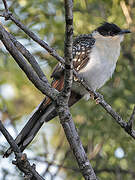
44	113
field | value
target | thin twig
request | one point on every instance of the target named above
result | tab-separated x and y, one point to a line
62	165
54	157
36	39
126	12
75	169
130	122
5	5
9	138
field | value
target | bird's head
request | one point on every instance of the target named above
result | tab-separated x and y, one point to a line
110	30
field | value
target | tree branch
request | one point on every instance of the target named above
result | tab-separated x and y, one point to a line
31	59
131	120
8	15
75	169
5	5
62	101
43	86
21	159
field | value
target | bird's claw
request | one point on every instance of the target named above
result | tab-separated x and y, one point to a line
92	96
98	98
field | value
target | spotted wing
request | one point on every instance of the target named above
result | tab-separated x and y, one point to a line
82	46
81	49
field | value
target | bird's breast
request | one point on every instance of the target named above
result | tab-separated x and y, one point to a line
101	65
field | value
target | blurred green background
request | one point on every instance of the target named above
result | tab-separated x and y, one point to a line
109	148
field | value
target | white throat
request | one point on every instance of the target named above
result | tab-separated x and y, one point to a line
107	47
103	58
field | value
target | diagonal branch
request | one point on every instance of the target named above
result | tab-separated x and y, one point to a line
131	120
5	5
31	59
33	36
21	159
43	86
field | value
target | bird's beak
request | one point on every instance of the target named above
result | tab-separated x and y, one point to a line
124	31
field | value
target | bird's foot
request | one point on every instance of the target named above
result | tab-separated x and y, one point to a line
98	98
92	96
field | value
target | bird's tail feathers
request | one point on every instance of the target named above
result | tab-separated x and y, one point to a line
41	114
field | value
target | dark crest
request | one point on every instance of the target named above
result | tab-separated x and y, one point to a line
108	29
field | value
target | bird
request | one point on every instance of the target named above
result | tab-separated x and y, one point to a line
94	58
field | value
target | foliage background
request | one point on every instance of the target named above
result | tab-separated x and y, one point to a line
109	148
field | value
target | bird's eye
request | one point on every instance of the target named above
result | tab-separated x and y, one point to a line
111	33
